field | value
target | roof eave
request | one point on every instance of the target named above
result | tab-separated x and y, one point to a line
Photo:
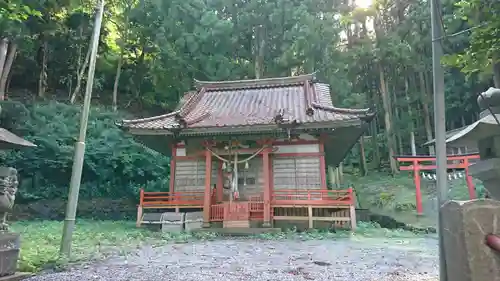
268	128
129	122
150	132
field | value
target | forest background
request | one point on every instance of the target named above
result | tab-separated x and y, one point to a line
151	50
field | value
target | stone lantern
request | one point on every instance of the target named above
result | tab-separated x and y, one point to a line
469	224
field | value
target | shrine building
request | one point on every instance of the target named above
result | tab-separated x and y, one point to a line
251	153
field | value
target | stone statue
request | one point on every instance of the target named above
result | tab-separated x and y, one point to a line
8	190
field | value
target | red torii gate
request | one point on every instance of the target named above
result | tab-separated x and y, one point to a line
416	167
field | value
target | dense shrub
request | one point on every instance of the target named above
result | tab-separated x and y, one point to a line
115	165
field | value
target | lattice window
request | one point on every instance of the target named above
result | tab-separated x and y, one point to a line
190	175
296	173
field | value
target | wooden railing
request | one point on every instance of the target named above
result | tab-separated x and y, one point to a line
237	211
217	212
254	207
171	199
313	197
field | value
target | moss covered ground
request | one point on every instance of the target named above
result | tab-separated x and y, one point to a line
95	240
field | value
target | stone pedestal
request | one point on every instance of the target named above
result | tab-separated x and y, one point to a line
465	228
172	222
193	221
9	253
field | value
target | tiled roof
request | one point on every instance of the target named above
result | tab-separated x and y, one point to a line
297	100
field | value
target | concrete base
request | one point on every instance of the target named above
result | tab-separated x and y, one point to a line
17	276
192	225
236	224
171	227
266	224
237	231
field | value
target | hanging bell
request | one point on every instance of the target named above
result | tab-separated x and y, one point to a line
246	165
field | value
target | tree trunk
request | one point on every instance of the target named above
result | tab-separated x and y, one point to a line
78	62
425	106
260	44
79	77
362	156
42	78
6	70
387	119
395	118
139	74
4	45
374	143
410	114
117	81
496	73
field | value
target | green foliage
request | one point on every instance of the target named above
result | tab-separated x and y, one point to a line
484	48
115	165
15	11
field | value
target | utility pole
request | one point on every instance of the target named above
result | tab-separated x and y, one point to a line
439	125
76	176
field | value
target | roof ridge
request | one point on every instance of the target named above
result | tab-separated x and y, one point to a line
184	99
257	83
341	110
308	98
191	103
147	119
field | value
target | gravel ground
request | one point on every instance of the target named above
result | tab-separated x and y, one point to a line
258	260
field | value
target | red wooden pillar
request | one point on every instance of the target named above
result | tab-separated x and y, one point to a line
322	164
266	173
468	179
171	188
220	182
208	186
418	193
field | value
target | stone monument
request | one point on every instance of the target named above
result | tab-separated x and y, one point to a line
9	242
8	190
472	228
